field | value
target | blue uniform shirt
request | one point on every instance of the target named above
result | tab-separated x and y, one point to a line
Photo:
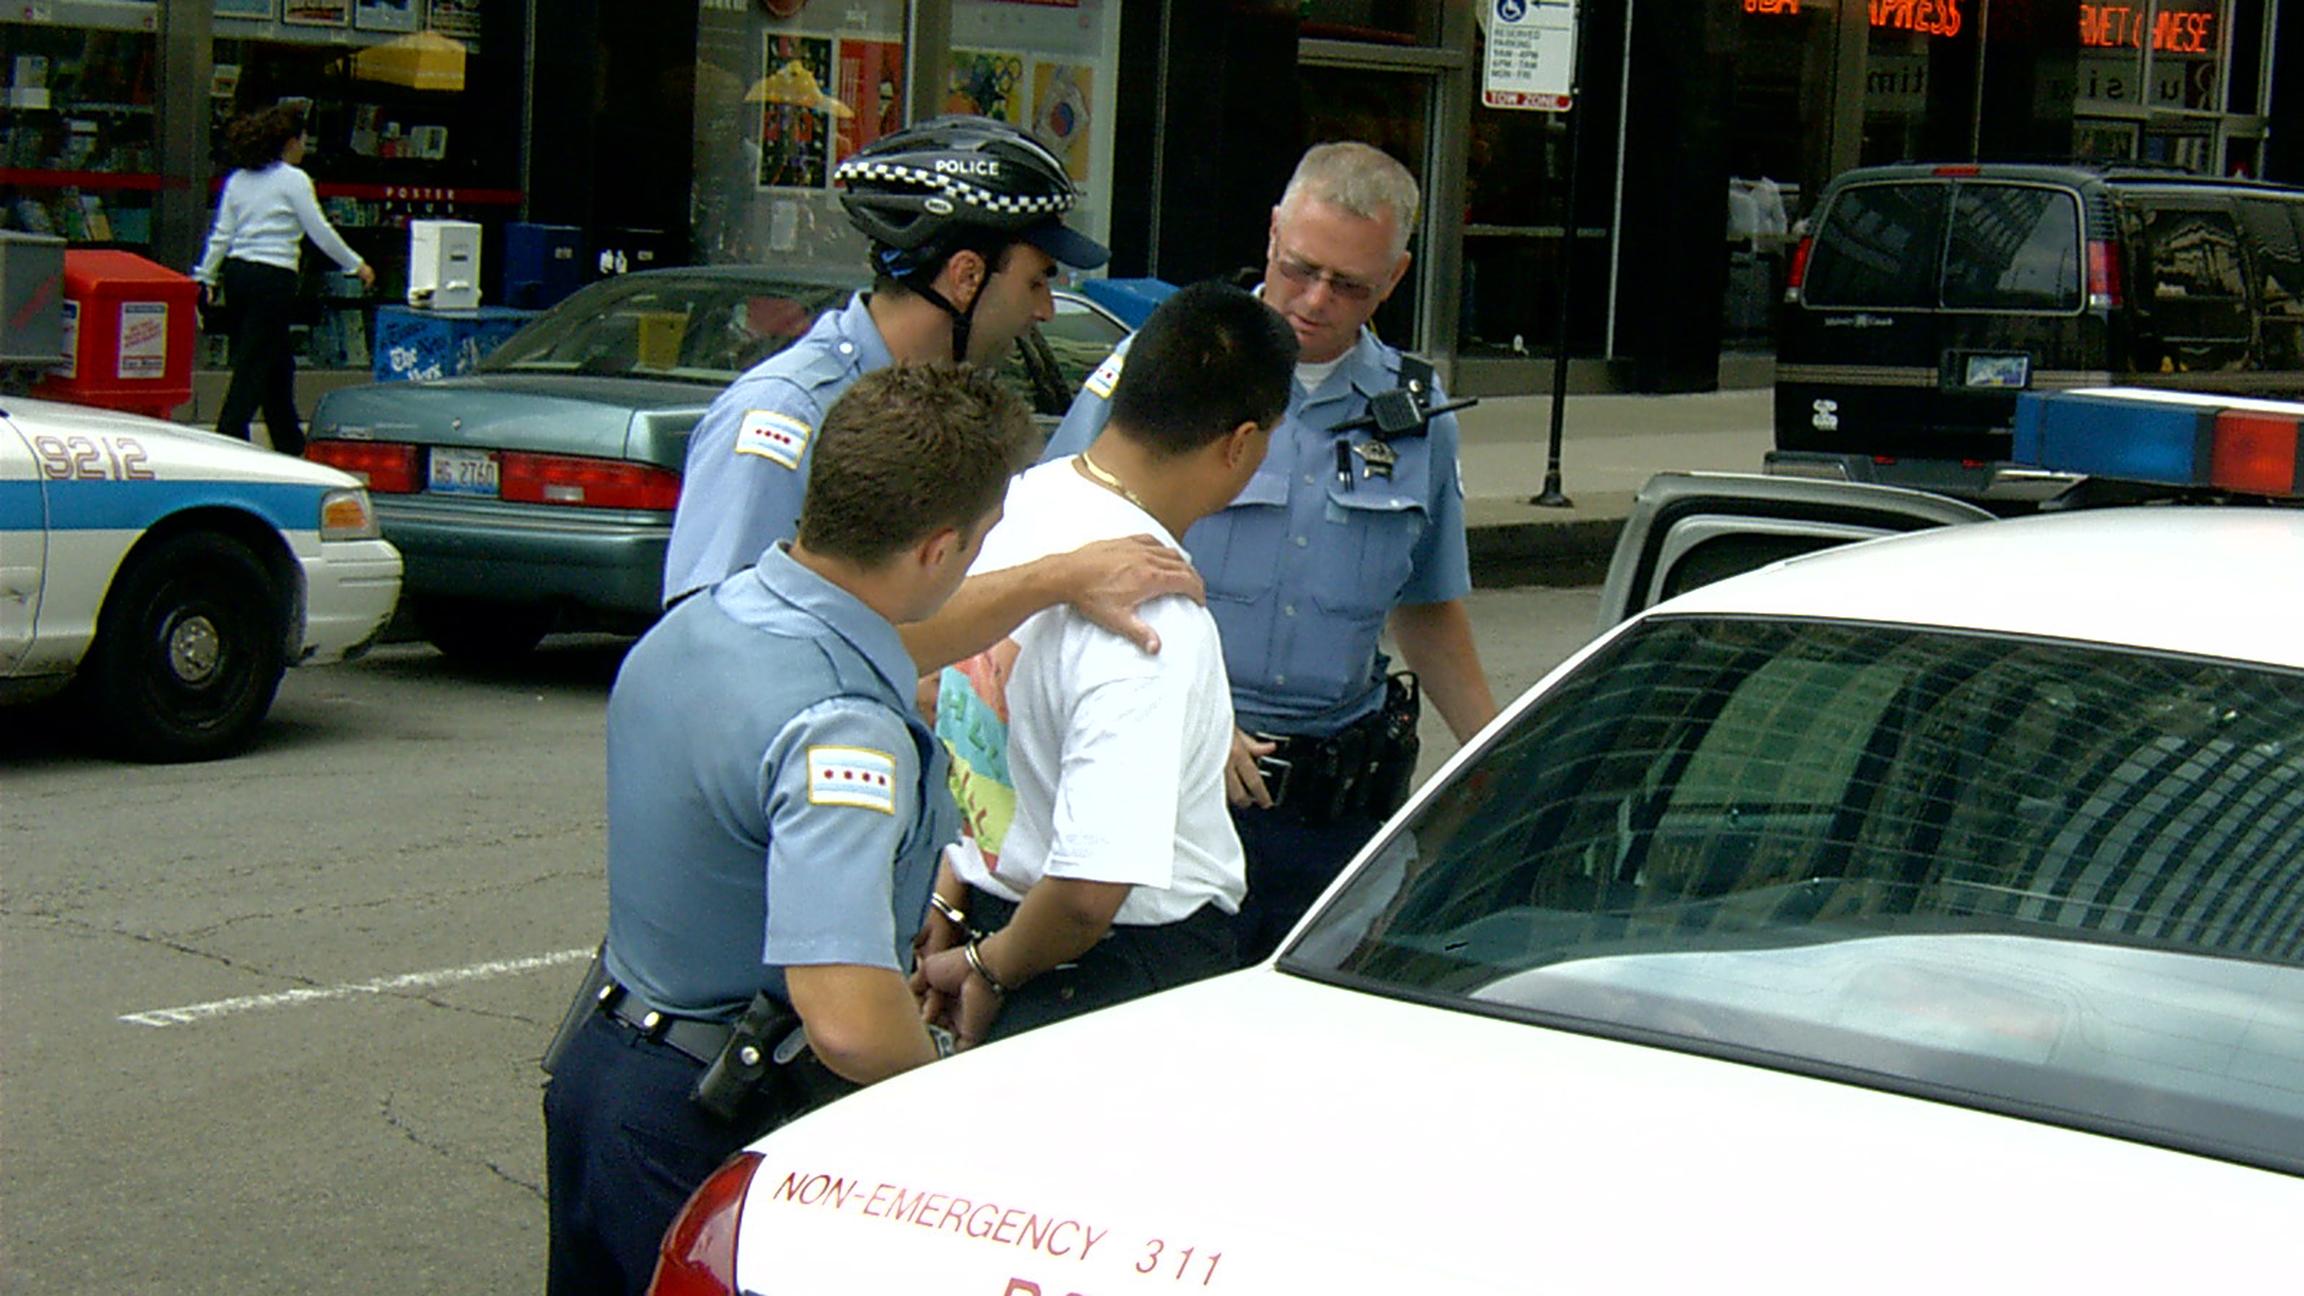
1303	567
748	457
773	796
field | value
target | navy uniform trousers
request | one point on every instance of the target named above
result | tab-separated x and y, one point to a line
623	1148
1290	862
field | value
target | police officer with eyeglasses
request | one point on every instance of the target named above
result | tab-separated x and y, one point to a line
1354	524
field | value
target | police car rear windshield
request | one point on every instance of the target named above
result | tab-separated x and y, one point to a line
1949	245
2062	881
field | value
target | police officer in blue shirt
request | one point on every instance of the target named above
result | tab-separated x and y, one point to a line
1355	524
964	214
776	806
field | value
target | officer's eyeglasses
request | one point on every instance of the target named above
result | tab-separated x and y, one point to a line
1303	274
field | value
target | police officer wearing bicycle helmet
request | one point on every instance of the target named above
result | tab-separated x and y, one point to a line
965	215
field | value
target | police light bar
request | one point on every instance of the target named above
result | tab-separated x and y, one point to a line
2251	447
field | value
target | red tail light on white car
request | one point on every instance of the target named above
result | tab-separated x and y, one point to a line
698	1257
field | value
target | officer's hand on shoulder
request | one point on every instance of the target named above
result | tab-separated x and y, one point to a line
1110	579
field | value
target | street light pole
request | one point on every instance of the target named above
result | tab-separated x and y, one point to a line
1551	496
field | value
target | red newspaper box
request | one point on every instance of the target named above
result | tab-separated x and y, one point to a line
129	326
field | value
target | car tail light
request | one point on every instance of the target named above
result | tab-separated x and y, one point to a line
587	483
384	467
1798	274
698	1257
2103	275
1958	169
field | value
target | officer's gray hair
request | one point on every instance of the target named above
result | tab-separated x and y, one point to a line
1361	179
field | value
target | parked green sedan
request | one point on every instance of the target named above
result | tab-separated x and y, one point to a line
536	493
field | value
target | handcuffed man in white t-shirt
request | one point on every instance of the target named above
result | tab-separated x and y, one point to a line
1100	861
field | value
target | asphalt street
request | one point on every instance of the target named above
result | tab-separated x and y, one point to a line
271	1024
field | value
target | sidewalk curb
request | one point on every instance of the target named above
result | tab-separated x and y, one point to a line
1571	551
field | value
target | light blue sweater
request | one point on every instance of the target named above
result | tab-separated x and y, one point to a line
264	217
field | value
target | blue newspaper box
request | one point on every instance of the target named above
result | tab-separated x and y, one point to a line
420	345
542	263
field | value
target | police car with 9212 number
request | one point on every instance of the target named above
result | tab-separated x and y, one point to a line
1918	914
169	575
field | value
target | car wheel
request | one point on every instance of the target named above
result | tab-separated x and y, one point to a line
482	634
189	650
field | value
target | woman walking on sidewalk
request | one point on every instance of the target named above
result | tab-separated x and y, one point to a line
267	209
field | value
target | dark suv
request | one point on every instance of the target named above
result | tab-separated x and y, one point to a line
1925	297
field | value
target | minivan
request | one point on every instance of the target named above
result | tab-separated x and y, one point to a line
1923	298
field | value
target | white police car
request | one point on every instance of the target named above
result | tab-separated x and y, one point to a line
171	574
1918	915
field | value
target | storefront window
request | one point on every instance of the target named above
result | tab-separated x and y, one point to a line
79	147
1515	226
1778	124
1391	22
779	103
406	123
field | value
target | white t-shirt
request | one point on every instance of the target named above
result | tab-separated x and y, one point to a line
1086	757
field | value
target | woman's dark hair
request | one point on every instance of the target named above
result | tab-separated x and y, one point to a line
257	139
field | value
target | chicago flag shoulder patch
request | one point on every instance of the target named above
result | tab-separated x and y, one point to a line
772	434
852	776
1107	376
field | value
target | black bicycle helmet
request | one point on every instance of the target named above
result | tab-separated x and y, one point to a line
931	189
960	183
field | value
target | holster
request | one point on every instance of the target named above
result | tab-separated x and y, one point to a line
586	1003
767	1055
1397	744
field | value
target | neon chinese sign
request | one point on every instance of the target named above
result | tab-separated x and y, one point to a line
2173	32
1928	17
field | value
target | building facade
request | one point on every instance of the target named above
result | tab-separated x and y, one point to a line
706	130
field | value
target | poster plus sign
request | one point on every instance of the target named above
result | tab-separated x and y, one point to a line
1531	59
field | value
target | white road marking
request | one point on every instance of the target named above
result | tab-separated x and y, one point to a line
383	985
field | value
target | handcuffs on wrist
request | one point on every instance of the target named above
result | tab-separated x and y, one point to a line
952	913
976	965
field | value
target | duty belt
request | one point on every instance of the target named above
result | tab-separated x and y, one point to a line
1363	769
696	1038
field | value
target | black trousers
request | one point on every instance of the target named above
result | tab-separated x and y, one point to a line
623	1149
262	300
1129	963
1290	862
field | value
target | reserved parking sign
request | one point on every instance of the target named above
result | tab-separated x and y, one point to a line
1531	60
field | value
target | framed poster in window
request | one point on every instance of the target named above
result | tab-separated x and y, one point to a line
385	15
453	17
257	9
317	13
796	115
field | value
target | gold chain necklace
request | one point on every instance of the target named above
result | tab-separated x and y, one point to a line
1089	469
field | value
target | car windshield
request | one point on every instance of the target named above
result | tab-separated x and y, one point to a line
2061	881
691	329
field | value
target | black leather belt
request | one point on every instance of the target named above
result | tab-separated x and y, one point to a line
697	1039
1324	777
